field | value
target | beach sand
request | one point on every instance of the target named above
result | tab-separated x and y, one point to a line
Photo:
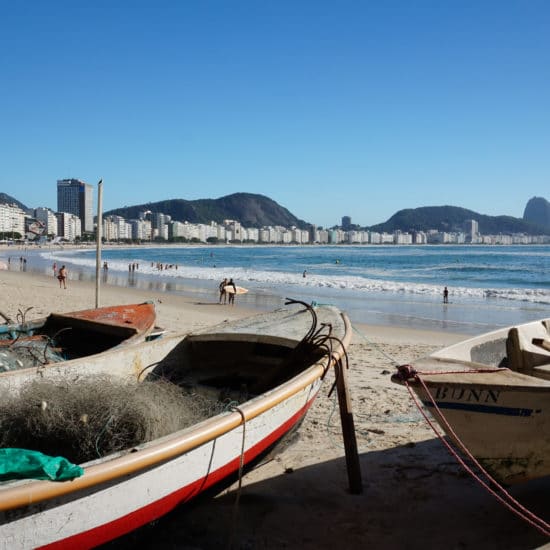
414	496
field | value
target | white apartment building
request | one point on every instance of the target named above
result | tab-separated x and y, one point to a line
252	234
116	228
69	226
354	237
402	238
12	219
141	229
375	237
48	218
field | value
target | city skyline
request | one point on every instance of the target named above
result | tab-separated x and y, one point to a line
343	221
359	109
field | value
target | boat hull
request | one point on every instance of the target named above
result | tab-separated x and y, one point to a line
122	492
506	427
108	510
492	393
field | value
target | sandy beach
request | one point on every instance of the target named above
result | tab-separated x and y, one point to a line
414	494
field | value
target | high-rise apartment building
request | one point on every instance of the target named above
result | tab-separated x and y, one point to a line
471	228
76	197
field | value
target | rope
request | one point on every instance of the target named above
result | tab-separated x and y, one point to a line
407	372
503	496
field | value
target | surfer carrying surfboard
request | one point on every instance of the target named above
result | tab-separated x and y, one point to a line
231	294
223	294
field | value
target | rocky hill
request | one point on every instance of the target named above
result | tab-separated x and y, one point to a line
537	211
452	218
249	209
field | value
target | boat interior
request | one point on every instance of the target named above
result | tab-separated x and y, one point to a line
235	362
59	338
80	337
524	349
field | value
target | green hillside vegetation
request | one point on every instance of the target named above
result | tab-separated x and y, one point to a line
452	218
249	209
253	210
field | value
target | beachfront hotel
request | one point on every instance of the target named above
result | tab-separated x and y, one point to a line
76	197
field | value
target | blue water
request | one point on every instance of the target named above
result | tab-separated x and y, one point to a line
489	286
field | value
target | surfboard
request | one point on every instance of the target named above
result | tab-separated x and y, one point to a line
239	290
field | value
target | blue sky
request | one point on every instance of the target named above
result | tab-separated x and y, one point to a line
330	108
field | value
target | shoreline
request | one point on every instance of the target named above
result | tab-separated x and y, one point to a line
374	309
300	497
162	299
388	287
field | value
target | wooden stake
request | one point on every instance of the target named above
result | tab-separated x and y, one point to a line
348	430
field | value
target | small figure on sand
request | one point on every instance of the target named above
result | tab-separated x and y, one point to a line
62	277
232	294
445	295
223	293
54	269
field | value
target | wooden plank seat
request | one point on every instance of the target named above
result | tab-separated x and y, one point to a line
528	351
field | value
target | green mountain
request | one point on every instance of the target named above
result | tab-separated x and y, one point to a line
452	218
249	209
537	211
7	199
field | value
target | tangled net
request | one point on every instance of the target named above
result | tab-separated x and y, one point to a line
95	416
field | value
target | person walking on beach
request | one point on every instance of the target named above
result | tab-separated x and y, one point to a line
54	269
232	294
445	295
62	277
223	293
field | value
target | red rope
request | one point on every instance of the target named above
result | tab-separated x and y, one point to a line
507	500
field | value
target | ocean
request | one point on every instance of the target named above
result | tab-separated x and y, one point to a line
489	286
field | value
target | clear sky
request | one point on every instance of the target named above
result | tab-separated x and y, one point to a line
330	108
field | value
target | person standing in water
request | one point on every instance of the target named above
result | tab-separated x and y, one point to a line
445	295
62	277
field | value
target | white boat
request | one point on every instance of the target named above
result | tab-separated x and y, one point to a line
278	358
492	394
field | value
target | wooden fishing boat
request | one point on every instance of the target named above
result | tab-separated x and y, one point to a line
61	337
492	394
275	360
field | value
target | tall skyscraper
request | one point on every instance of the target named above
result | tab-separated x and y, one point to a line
76	197
346	223
471	228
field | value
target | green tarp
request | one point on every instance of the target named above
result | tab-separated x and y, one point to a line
26	464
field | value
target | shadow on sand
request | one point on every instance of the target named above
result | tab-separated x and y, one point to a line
415	497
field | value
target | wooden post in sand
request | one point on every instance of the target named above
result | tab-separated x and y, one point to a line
348	430
98	234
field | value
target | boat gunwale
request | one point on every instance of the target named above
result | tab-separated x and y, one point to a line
147	455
